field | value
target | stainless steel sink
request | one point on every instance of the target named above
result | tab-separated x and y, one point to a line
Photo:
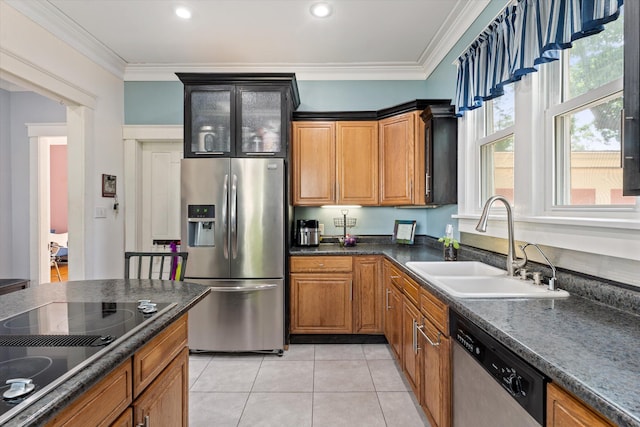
472	279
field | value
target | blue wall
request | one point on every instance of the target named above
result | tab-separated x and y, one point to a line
159	103
155	103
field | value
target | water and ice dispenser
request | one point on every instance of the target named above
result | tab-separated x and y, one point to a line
201	225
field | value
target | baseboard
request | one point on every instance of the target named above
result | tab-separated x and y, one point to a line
337	339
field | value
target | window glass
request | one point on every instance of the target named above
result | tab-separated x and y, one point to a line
594	61
587	137
501	111
588	165
497	168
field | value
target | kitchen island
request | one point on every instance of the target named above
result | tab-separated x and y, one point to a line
587	343
175	298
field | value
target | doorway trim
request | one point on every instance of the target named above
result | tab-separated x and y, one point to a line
39	196
133	137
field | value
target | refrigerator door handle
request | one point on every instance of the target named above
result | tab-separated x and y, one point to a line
241	288
225	224
234	216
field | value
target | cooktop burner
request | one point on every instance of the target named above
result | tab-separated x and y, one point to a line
49	343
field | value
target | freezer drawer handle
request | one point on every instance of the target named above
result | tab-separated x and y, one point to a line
241	288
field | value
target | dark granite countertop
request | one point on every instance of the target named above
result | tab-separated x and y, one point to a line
589	348
184	294
9	282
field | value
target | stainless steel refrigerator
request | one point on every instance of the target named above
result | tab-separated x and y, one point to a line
233	228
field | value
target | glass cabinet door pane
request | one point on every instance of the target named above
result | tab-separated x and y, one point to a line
261	125
211	122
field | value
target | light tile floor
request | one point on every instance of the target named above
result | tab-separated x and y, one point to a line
311	385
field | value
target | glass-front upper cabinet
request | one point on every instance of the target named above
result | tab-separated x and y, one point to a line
239	115
210	122
261	116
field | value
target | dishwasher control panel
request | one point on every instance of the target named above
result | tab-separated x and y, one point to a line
521	380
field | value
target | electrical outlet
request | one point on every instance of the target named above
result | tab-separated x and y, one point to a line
100	212
321	229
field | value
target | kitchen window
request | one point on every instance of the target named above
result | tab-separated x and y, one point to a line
584	117
564	140
497	145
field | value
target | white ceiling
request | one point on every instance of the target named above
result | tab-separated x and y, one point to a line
362	39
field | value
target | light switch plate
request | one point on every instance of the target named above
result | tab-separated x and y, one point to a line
321	229
101	212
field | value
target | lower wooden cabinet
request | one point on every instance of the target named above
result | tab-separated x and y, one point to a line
165	402
321	303
102	404
564	410
392	312
367	295
124	420
416	327
336	295
152	384
435	384
410	347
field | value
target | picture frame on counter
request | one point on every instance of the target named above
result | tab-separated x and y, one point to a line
404	231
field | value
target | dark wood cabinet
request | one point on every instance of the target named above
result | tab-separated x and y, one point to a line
631	112
238	115
441	155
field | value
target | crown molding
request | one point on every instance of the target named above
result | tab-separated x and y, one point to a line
61	26
457	23
164	72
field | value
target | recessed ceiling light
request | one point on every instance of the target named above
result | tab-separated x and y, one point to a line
183	12
321	10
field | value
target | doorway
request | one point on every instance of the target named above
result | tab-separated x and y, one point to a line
42	138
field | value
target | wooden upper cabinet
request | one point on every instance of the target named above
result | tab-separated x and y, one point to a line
401	160
335	163
357	162
314	163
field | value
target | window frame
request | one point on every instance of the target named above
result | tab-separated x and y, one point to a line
537	220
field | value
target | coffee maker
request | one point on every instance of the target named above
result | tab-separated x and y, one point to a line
306	232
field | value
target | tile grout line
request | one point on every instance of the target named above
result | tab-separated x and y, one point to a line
246	402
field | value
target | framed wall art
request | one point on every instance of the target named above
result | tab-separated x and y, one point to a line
108	185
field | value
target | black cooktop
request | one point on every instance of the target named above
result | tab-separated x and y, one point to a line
53	341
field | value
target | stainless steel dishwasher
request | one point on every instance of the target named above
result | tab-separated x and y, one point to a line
492	386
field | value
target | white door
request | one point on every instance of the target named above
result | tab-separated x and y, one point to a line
160	193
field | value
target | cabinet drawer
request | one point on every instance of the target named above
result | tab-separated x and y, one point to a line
395	276
321	264
149	361
411	290
434	310
102	404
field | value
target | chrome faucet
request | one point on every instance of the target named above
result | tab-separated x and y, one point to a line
552	280
513	262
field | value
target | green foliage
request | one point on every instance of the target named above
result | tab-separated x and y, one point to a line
448	240
595	61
